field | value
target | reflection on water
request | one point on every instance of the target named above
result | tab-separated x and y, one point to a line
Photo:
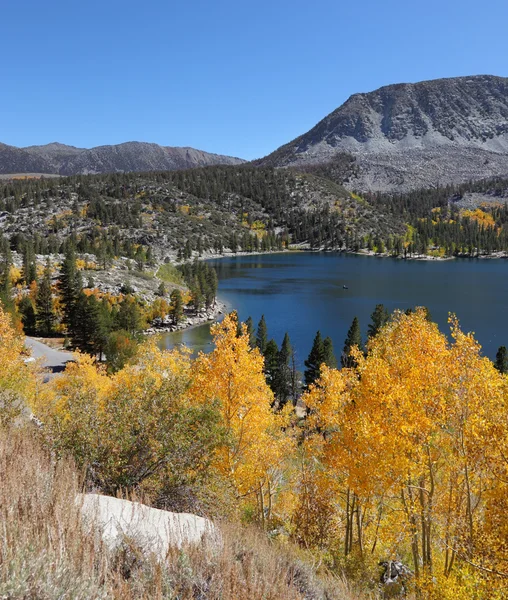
301	293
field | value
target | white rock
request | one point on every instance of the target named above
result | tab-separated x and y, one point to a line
153	530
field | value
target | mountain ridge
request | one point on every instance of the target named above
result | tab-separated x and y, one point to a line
62	159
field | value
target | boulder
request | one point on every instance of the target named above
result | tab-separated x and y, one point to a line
154	531
394	579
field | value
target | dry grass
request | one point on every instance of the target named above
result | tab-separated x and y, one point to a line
46	555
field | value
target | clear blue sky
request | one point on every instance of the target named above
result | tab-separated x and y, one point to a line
237	78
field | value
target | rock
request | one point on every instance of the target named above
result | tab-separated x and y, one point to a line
394	578
154	531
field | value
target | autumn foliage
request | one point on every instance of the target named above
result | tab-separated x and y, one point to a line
402	456
413	441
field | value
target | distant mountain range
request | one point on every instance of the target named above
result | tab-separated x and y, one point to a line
397	138
60	159
409	135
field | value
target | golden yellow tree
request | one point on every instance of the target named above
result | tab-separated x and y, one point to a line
412	435
18	380
253	459
136	429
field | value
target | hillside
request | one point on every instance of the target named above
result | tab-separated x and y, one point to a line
412	135
209	209
56	158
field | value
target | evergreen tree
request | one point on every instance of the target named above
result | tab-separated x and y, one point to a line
250	330
501	362
176	306
46	317
70	286
29	270
328	354
378	319
85	314
5	281
93	325
354	338
284	380
262	335
27	311
271	356
129	316
314	361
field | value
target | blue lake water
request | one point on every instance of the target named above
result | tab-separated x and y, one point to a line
303	292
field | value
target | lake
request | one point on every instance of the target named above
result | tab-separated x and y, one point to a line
303	292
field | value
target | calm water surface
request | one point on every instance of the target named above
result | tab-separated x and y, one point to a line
303	292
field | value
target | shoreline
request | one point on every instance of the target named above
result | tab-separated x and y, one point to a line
419	257
190	321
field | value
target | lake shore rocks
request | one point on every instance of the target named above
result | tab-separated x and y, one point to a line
189	319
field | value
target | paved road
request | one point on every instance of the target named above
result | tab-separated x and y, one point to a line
53	360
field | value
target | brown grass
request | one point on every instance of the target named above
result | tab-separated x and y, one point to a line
45	553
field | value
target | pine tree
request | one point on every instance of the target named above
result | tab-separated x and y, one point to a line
85	317
379	318
29	271
5	270
93	325
129	316
250	330
70	286
262	335
501	362
27	310
283	380
328	354
354	338
46	317
314	361
271	356
176	306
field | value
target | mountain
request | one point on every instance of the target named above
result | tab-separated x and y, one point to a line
55	154
15	160
412	135
56	158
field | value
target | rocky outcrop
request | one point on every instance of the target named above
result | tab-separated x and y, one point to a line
154	531
413	134
394	579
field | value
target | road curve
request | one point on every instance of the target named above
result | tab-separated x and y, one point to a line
52	360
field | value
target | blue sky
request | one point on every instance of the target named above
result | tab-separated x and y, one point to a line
237	78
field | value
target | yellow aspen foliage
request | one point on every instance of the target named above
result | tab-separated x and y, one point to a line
14	275
253	459
416	436
18	381
136	429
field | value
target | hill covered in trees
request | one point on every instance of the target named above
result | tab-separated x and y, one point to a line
235	208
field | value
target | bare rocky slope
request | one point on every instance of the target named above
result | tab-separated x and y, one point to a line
60	159
407	136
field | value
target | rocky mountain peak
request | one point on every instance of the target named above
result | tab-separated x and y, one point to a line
436	118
